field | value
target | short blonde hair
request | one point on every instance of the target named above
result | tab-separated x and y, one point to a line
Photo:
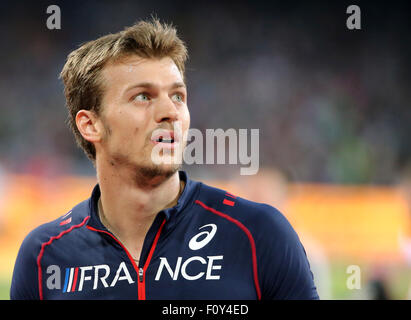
81	73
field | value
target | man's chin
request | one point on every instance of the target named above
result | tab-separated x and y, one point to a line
153	175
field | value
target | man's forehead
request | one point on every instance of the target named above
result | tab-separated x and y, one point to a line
134	68
121	75
134	63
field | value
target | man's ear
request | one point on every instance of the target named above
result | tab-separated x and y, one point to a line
89	125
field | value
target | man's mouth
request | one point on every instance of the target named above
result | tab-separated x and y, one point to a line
166	138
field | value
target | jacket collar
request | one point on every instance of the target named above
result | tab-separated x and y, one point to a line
172	215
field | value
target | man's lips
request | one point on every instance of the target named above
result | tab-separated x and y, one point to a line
166	138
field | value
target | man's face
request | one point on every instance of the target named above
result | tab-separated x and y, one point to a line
142	96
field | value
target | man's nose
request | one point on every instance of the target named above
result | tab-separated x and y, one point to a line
166	110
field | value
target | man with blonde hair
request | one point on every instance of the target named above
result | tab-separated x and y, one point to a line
147	231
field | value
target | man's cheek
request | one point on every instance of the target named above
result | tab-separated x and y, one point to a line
186	123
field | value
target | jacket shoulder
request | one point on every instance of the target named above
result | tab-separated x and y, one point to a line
48	230
25	280
252	214
283	269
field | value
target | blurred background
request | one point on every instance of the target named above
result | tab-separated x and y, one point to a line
332	106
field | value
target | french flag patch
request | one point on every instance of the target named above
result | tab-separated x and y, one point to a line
66	220
62	223
70	281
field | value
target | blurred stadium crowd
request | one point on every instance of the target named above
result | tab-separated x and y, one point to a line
332	105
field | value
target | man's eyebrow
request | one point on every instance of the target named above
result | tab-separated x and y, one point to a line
149	85
178	85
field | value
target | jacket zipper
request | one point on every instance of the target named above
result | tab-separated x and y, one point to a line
141	271
140	274
141	285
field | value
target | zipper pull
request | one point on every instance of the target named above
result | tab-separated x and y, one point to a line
140	274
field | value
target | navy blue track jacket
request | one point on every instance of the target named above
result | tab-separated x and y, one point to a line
212	245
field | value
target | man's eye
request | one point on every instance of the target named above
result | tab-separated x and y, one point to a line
142	97
178	97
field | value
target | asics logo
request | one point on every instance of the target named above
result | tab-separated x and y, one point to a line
194	244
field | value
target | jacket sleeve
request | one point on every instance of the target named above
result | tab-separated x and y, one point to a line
24	284
284	270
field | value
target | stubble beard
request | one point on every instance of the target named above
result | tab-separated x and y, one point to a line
144	175
152	176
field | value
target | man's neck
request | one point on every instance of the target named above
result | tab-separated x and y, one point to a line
128	208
